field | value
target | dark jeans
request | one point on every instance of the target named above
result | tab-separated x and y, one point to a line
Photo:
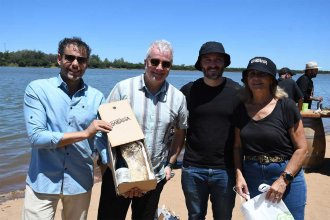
200	184
115	207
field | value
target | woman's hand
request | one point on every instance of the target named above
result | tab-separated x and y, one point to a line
276	190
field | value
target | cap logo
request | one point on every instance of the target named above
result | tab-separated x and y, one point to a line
258	60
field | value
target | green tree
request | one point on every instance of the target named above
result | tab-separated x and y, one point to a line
95	61
107	63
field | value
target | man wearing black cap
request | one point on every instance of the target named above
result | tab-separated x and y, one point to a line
286	73
290	86
208	160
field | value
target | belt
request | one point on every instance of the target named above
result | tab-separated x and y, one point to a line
264	159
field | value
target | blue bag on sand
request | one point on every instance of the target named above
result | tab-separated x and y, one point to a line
165	214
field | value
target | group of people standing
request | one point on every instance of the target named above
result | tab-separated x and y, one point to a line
234	136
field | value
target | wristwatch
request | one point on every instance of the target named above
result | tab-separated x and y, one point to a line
287	176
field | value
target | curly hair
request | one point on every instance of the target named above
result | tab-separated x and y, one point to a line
76	41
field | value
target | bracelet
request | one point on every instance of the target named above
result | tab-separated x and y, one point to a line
170	165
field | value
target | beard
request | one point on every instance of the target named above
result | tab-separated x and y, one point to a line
313	75
213	73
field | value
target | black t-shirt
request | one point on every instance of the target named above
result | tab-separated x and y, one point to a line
306	86
268	136
210	133
291	88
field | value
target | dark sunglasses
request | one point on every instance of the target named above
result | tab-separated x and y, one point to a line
156	62
71	58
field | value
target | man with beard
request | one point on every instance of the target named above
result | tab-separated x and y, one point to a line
208	160
306	85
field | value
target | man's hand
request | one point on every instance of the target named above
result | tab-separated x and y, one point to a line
134	192
97	125
318	98
93	128
169	174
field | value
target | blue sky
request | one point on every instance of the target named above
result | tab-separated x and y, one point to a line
289	32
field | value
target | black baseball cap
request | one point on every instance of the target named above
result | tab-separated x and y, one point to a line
285	70
212	47
262	64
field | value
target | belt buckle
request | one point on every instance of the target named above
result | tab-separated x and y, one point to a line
263	159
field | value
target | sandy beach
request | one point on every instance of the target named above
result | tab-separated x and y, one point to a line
317	208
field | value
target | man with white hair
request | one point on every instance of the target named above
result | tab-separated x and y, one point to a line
306	85
158	107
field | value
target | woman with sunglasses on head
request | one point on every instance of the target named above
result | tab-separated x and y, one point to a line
270	144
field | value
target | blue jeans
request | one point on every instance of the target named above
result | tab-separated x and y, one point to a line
295	194
198	184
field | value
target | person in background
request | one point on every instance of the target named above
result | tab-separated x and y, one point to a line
286	82
306	85
61	122
158	107
286	73
207	169
270	144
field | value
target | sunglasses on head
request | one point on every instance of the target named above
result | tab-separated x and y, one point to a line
156	62
71	58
